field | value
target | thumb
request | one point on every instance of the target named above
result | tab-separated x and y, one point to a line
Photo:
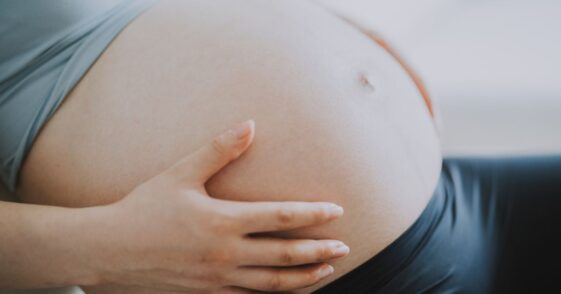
198	167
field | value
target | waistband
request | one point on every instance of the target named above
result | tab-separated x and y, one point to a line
376	272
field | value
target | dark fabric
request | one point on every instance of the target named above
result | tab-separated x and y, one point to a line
492	226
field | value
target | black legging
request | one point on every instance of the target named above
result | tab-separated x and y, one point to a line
492	226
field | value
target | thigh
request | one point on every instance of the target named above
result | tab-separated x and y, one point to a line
529	257
517	204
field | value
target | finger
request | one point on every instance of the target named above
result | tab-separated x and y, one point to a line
280	279
283	252
255	217
211	158
237	290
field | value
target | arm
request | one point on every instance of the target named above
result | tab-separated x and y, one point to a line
181	241
41	245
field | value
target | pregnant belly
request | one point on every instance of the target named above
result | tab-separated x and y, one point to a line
337	118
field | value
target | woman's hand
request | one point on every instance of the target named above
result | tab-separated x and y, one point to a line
169	234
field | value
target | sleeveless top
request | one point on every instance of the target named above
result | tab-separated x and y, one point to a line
45	49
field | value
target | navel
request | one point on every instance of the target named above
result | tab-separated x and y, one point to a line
366	82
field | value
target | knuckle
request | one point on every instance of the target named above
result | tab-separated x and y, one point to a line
274	283
230	219
323	253
285	216
313	277
320	215
287	256
219	147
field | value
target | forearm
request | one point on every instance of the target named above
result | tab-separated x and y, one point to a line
44	246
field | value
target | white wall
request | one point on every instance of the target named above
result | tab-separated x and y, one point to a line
493	66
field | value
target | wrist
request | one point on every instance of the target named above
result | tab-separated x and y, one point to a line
46	246
74	234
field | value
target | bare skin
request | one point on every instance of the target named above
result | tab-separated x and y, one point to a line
339	119
130	242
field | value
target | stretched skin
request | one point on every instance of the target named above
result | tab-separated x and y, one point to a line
338	118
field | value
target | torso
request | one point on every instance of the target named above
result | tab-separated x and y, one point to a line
337	118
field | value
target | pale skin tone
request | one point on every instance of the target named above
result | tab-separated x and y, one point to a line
339	120
189	242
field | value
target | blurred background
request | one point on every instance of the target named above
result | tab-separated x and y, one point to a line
492	67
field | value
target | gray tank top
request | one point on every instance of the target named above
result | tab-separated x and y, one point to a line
45	48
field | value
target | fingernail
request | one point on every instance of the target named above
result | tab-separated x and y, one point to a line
326	271
243	129
339	248
335	210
